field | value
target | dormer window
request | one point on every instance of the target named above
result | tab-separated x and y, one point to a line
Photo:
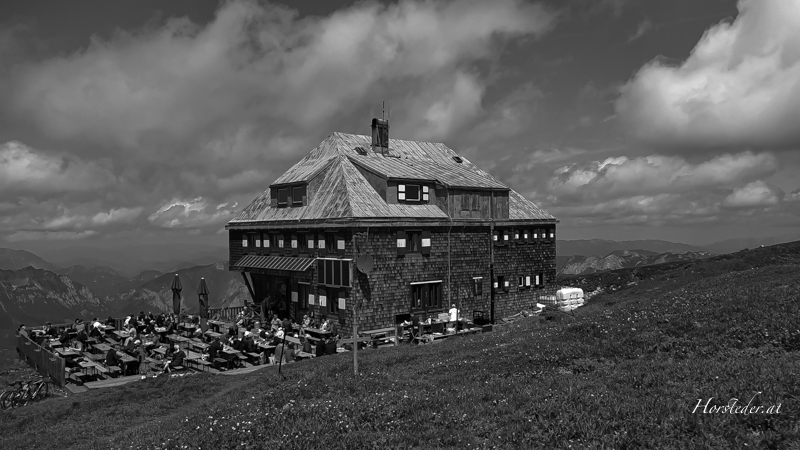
289	196
412	193
283	197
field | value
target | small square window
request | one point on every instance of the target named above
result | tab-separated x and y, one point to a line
283	196
412	193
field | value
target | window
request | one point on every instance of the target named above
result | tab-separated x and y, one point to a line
525	235
536	234
323	297
298	195
333	301
303	291
340	245
426	296
283	197
265	241
412	193
302	242
540	279
552	233
321	243
505	236
295	243
310	242
477	286
527	281
413	241
330	243
502	283
333	272
521	281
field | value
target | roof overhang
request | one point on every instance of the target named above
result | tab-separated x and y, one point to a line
286	263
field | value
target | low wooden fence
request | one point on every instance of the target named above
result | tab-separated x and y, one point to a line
45	362
225	313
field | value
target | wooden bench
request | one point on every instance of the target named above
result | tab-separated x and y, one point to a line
114	371
221	362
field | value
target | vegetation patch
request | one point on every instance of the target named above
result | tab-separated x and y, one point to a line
646	365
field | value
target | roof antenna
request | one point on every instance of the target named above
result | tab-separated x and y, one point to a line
383	110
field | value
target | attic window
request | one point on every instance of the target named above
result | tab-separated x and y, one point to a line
361	151
283	197
458	159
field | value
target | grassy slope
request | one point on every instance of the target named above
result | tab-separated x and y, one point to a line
625	371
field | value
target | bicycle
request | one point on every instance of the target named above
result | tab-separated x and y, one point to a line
10	398
25	392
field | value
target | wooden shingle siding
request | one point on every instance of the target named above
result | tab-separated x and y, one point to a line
386	290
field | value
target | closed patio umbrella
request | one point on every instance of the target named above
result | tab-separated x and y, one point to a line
176	295
202	293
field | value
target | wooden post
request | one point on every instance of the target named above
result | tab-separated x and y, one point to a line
355	340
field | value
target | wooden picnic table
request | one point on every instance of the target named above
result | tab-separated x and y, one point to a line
120	334
104	348
199	345
213	334
67	352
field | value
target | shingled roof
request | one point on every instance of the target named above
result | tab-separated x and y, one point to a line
338	190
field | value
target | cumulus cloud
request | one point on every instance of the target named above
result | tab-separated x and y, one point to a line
27	171
260	61
755	194
654	174
214	112
192	213
740	85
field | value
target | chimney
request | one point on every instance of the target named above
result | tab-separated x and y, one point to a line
380	136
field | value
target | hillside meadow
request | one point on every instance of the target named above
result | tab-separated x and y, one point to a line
626	371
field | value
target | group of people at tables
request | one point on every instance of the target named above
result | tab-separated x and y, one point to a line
144	338
248	336
140	335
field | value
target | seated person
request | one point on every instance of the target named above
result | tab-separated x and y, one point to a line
50	331
214	349
175	360
95	331
325	326
112	359
306	321
111	322
131	346
236	344
64	338
249	343
151	327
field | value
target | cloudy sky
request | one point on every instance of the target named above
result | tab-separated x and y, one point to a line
157	120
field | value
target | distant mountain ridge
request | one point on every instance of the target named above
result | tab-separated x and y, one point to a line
100	280
11	259
603	247
620	259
